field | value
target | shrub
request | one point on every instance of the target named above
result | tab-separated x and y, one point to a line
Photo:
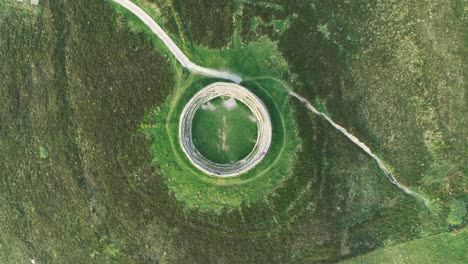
457	212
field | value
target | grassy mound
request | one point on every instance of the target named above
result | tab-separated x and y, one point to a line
198	190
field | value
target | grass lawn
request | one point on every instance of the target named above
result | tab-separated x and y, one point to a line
223	134
443	248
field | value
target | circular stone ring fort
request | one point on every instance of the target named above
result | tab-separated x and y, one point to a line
259	111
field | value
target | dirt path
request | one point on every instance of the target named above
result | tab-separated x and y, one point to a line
363	146
170	44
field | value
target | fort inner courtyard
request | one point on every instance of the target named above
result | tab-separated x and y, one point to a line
225	130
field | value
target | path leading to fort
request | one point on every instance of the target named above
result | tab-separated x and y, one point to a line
184	60
363	146
170	44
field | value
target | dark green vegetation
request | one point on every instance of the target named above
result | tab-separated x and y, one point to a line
77	83
213	29
222	134
65	88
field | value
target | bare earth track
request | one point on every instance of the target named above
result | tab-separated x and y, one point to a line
363	146
170	44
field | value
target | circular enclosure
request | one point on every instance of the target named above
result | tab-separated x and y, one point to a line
259	113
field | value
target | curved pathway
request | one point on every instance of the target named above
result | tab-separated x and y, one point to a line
184	60
170	44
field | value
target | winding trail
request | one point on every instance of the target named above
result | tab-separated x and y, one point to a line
185	62
173	48
363	146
